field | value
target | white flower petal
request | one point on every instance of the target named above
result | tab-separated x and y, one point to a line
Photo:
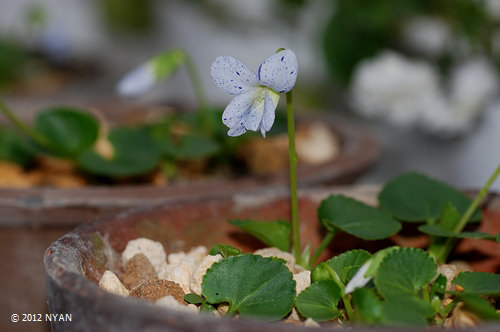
252	120
237	109
359	279
232	75
279	71
137	82
237	131
271	103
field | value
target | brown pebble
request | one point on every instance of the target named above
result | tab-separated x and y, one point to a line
156	289
138	270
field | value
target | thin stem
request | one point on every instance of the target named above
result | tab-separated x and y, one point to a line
448	245
343	296
23	127
348	307
326	241
292	153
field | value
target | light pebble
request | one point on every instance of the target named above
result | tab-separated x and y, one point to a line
192	258
303	280
311	323
153	250
200	271
180	273
275	252
170	302
110	282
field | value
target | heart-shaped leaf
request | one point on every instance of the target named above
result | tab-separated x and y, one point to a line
135	153
254	286
480	283
415	197
356	218
69	131
14	148
274	233
319	301
344	265
404	271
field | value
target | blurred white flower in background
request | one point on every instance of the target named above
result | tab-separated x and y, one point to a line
426	35
493	8
409	93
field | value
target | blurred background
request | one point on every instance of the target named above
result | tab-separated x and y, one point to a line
421	75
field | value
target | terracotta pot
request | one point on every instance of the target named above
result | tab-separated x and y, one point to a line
76	261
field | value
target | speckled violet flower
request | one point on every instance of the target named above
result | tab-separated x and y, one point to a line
257	95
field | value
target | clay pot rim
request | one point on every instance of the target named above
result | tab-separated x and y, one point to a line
56	272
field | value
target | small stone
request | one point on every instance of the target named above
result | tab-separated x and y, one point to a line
138	270
200	271
110	282
156	289
302	280
180	274
317	144
461	318
275	252
223	308
449	271
151	249
311	323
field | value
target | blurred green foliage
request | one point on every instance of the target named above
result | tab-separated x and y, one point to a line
359	29
128	15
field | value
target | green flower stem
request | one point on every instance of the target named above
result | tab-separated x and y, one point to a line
194	76
326	241
343	296
23	127
445	250
292	153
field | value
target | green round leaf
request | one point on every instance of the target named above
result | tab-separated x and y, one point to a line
319	301
68	130
356	218
415	197
135	153
480	283
253	286
404	271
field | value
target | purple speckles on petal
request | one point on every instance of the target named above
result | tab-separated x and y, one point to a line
258	73
291	72
225	119
237	73
282	58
